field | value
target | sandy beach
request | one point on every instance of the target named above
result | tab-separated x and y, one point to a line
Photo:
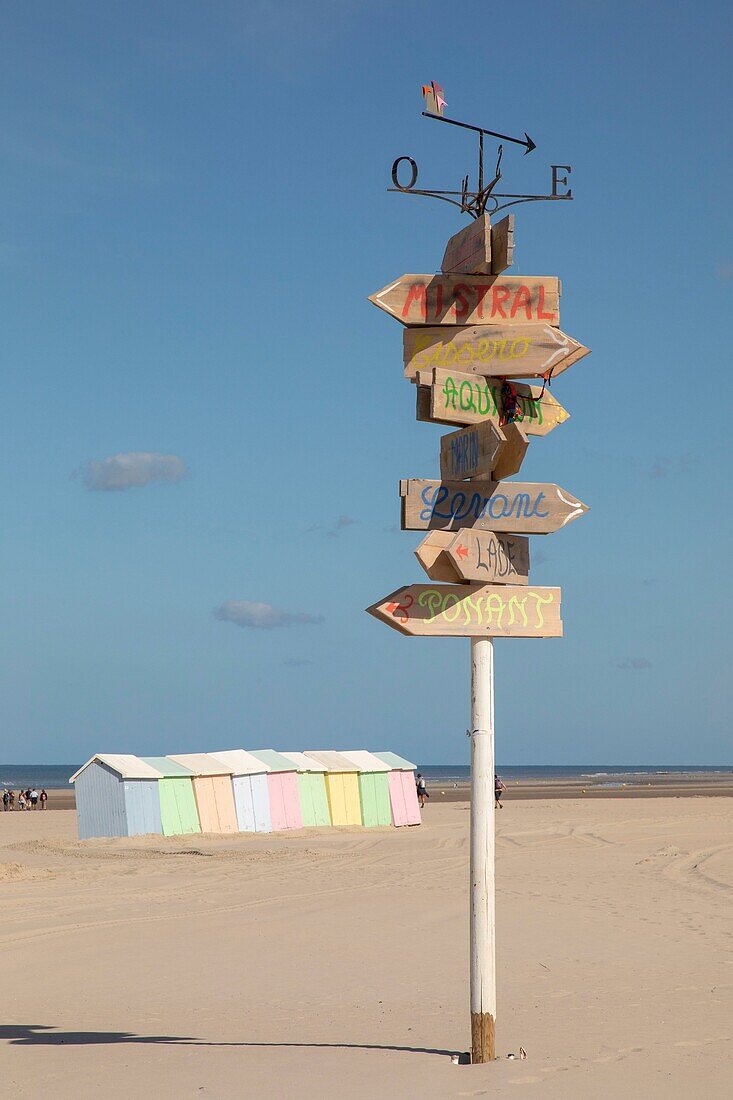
334	964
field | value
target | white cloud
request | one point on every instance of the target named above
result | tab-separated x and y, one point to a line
131	470
261	616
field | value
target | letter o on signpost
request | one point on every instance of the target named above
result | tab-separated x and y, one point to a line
395	169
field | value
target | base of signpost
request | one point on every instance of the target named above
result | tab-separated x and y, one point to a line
482	899
483	1037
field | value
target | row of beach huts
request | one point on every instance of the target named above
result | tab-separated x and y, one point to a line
237	791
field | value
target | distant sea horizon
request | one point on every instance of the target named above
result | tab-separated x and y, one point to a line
56	776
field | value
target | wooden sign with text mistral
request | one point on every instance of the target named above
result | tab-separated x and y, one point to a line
471	299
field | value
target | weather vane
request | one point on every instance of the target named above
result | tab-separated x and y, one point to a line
475	203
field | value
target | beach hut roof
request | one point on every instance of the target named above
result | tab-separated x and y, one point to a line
241	762
334	761
167	768
365	761
396	763
304	763
275	761
202	763
128	767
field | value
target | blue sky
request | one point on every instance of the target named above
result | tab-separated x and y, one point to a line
194	212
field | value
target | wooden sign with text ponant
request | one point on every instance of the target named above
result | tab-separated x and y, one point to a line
471	299
493	351
471	555
518	507
449	397
482	450
469	251
465	610
502	245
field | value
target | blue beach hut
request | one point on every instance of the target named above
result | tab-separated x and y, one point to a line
116	795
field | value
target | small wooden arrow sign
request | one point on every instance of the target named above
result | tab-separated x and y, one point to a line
471	300
448	397
469	251
514	506
469	555
482	450
465	610
498	351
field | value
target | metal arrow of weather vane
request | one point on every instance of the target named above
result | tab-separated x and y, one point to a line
475	203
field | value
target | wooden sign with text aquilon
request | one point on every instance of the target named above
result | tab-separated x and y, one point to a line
470	610
471	555
493	351
471	299
450	397
516	507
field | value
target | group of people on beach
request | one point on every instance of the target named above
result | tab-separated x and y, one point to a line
28	799
422	791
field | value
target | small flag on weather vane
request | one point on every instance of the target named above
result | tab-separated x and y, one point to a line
434	102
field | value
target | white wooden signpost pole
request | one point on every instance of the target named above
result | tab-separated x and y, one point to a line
468	330
483	893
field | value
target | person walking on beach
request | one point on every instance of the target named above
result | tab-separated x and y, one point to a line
21	800
34	798
12	800
499	786
44	798
422	790
6	801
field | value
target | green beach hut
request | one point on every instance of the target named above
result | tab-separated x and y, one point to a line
178	811
311	789
373	787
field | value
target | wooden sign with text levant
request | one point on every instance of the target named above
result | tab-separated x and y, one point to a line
513	506
471	610
493	351
471	299
449	397
470	555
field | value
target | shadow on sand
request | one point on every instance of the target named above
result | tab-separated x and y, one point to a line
43	1035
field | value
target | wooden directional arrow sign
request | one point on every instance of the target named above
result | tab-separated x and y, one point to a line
448	397
482	450
471	299
463	610
514	506
496	351
469	251
485	556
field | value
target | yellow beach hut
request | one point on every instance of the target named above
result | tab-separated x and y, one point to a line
213	791
342	787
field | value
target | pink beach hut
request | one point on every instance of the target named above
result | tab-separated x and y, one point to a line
402	790
282	786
